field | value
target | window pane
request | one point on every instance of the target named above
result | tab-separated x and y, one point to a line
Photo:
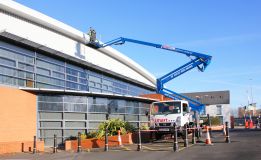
49	80
58	75
107	82
72	85
83	87
47	58
219	110
21	82
101	101
7	54
92	84
48	65
91	89
71	71
97	108
75	99
43	106
130	110
94	79
71	78
117	90
83	75
83	81
29	60
7	62
29	83
43	79
50	98
29	75
105	87
98	85
8	80
43	71
44	85
75	107
8	71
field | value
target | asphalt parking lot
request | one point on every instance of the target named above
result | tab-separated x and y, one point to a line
245	145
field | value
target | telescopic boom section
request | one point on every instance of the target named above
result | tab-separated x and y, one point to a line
199	60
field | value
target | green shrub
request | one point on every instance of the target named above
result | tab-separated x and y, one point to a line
113	126
83	136
91	134
214	121
129	127
144	127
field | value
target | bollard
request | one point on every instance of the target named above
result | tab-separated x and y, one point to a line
258	123
208	119
227	134
198	134
54	144
193	136
34	147
79	148
106	147
22	147
175	144
186	136
200	131
139	143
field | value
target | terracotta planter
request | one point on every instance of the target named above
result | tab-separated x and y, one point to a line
98	143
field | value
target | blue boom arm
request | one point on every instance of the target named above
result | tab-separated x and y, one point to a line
199	60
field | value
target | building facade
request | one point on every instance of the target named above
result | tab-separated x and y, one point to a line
70	85
248	110
217	103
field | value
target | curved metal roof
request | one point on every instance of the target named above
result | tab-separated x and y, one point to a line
74	34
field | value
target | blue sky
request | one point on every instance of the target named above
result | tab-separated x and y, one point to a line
230	31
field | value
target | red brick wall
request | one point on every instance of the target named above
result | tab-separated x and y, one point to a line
20	146
156	96
17	119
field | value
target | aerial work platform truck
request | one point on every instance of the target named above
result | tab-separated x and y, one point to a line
181	110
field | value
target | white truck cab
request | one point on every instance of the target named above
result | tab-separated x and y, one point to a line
164	114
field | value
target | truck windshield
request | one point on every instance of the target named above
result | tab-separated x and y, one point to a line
166	108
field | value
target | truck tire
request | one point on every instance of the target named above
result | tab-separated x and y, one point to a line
180	134
158	136
190	125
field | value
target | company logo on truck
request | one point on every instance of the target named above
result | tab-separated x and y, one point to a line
160	120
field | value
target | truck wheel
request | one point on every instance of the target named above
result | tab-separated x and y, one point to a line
180	134
191	125
158	136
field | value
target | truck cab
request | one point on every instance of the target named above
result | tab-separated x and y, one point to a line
164	114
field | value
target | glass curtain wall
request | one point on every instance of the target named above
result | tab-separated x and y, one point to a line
25	68
66	115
